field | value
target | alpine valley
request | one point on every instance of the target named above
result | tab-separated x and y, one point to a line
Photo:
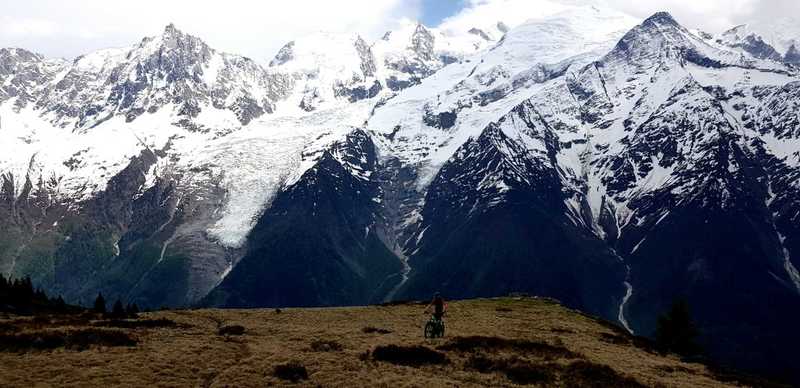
612	163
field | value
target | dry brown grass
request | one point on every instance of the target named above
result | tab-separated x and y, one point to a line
532	340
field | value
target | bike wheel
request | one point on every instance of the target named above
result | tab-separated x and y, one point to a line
430	330
441	330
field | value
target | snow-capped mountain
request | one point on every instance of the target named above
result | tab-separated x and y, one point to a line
613	163
777	39
217	135
24	74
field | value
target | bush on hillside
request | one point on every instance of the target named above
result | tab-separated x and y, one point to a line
415	356
676	332
292	371
231	330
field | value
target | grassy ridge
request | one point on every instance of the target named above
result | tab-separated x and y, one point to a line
489	342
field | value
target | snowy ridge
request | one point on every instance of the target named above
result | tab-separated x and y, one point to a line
777	39
479	90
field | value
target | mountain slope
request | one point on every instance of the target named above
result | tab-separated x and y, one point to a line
673	175
318	243
495	221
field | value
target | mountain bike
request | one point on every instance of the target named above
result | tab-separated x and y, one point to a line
434	328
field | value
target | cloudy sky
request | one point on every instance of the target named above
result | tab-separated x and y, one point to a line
58	28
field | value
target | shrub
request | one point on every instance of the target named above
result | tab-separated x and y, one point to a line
591	375
525	373
415	356
326	346
32	341
517	370
231	330
483	344
6	327
75	340
144	323
614	339
738	378
83	339
292	371
370	329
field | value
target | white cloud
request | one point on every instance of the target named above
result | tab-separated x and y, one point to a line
485	13
709	15
253	28
27	27
259	28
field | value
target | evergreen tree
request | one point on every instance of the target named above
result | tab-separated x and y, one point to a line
676	332
4	295
59	305
132	310
21	297
100	304
118	312
26	289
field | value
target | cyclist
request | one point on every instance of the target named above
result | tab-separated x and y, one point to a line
439	306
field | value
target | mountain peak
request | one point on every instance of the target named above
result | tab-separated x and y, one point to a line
174	40
420	28
172	32
658	36
13	52
422	42
661	18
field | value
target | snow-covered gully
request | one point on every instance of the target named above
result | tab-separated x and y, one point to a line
791	270
628	292
794	275
403	278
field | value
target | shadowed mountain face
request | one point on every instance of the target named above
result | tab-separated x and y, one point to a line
318	244
495	222
616	167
